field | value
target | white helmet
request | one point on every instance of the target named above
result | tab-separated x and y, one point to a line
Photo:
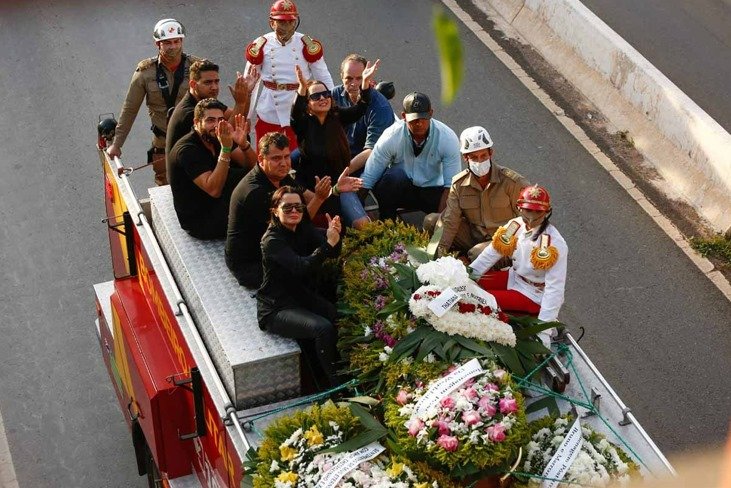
473	139
168	29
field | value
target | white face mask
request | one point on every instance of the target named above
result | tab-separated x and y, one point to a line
481	168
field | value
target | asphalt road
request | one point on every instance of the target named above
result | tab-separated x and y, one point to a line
657	329
690	42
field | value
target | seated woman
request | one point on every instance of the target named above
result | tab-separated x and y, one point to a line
323	143
293	251
535	282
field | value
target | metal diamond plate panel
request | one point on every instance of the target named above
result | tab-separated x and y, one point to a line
256	367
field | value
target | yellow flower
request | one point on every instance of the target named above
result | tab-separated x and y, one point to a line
287	476
421	485
314	436
395	469
287	452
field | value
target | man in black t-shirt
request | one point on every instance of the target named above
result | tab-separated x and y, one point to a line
204	83
200	171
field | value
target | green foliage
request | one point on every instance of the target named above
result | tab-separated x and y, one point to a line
451	59
718	247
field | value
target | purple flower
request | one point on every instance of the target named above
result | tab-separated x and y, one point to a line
389	340
380	302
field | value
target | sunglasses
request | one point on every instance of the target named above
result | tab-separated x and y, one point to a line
293	207
323	94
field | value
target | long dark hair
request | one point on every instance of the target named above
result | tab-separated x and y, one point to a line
543	226
337	148
277	199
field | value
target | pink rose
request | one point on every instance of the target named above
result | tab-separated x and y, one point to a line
508	405
447	402
448	443
492	387
402	398
468	383
442	427
414	425
469	393
496	433
486	405
471	417
451	368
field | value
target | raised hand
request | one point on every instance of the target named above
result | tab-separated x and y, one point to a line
240	92
240	130
252	76
322	187
302	89
348	183
333	229
223	133
368	74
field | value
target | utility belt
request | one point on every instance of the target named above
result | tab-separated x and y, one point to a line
158	131
540	286
280	86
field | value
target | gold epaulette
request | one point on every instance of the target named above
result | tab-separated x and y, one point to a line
254	51
312	49
504	240
544	256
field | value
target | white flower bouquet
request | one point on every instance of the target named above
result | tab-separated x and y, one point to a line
598	463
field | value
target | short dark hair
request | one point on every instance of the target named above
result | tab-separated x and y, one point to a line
207	104
200	66
276	139
353	57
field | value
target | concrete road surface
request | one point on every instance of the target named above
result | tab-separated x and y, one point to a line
657	329
690	42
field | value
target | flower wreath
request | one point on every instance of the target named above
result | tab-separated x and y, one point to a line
481	424
599	463
291	455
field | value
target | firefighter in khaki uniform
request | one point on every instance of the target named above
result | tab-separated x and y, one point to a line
276	54
158	81
481	199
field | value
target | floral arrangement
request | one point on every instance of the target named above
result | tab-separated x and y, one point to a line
599	463
480	424
372	259
471	316
297	453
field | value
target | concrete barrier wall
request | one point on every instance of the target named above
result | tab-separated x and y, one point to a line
694	156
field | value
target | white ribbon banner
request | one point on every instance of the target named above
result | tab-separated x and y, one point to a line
477	294
348	463
446	300
447	385
564	457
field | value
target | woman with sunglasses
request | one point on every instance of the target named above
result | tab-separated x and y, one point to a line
535	283
293	251
323	143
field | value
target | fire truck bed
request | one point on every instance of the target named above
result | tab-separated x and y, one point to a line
256	367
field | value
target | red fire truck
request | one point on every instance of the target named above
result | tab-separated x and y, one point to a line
189	364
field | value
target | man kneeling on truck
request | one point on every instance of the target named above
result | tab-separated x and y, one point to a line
202	175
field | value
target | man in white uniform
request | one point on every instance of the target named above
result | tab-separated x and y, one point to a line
276	54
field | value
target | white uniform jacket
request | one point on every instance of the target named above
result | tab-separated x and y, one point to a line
275	106
524	278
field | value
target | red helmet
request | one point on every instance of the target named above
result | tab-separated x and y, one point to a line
283	10
534	198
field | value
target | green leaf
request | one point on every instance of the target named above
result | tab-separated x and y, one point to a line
409	343
431	248
366	419
509	358
360	440
393	307
364	400
529	347
547	402
473	345
429	343
451	61
418	254
534	328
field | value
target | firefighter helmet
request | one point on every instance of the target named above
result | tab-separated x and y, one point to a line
106	128
474	139
534	198
168	29
283	10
